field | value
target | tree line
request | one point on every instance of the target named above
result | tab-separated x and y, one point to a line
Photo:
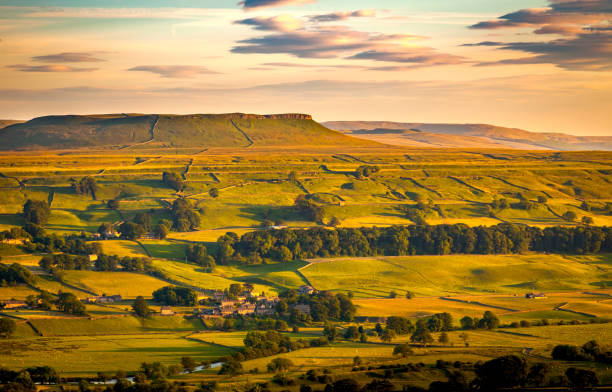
505	238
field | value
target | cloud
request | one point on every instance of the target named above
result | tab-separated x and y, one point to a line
277	23
300	65
338	16
48	68
68	57
586	52
174	71
417	56
338	41
587	42
255	4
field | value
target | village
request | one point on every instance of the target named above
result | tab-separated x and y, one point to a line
211	305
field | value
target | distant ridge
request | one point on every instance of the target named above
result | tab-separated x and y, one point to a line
136	131
467	136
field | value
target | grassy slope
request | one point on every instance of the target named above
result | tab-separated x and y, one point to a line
444	275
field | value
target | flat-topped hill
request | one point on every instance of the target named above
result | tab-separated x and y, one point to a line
127	131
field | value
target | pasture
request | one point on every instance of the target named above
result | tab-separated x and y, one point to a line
458	274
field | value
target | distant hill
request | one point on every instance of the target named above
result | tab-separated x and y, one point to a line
466	136
117	131
6	123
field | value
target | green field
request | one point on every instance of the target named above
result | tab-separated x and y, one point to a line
457	274
112	283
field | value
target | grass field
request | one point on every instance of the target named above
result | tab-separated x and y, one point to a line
87	355
457	274
112	283
252	186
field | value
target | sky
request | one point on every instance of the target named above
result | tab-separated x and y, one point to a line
540	65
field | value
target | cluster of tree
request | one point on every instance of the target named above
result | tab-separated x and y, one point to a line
112	263
85	186
158	371
72	244
324	305
43	300
308	209
27	378
7	327
15	233
14	274
173	180
412	240
36	212
365	171
590	351
69	303
247	323
64	261
174	295
198	254
488	321
184	215
264	344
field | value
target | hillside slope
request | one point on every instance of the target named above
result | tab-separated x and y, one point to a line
6	123
133	131
466	136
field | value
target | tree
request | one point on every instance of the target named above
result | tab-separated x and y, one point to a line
409	295
467	323
279	365
570	216
422	336
488	321
173	180
36	212
113	204
231	368
334	222
7	327
504	372
587	220
581	379
69	303
144	219
388	335
443	338
346	385
403	349
85	186
357	361
330	332
188	363
213	192
351	333
392	294
140	307
131	230
161	231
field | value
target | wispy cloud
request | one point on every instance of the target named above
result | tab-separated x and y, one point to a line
340	41
174	71
277	23
585	25
338	16
48	68
255	4
68	57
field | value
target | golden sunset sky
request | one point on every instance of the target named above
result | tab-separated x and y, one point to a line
538	65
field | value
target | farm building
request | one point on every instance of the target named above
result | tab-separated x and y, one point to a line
13	304
166	311
104	299
306	290
535	296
